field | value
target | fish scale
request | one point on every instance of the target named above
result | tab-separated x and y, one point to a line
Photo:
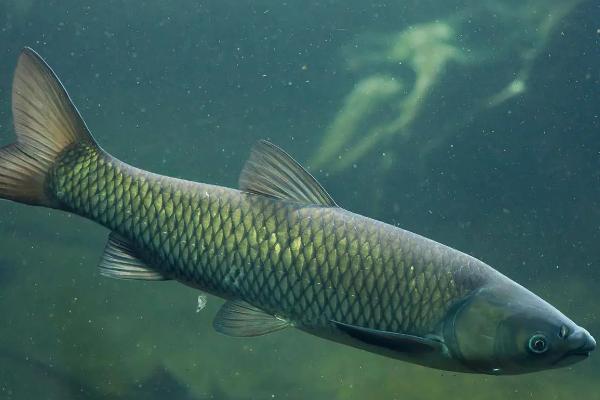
309	264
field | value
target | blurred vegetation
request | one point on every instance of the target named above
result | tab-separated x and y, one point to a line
491	109
422	54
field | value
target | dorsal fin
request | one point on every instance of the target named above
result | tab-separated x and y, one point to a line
272	172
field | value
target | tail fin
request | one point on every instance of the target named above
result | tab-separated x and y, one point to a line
46	122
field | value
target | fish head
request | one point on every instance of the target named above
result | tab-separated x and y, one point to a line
506	329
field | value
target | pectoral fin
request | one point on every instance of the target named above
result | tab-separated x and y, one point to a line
121	261
238	318
394	341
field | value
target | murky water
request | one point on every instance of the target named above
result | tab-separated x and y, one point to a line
475	123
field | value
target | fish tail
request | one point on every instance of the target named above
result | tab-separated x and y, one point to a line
46	123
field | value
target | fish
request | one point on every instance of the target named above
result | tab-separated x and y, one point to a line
280	250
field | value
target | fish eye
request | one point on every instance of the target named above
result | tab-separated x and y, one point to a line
564	331
538	344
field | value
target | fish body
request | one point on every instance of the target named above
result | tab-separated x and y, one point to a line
308	264
280	250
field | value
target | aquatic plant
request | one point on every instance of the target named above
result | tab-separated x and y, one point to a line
428	50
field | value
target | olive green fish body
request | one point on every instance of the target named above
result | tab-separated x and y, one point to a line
280	250
308	264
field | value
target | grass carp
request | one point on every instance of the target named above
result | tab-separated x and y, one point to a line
280	250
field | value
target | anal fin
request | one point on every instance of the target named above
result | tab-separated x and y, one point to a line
120	261
238	318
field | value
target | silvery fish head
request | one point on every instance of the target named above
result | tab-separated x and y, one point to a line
506	329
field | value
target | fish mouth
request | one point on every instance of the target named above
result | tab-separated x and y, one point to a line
581	352
586	348
573	356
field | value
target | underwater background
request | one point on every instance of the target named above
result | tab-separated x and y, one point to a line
475	123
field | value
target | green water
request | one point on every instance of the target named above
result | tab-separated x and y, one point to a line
475	123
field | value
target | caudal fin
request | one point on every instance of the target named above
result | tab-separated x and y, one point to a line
46	122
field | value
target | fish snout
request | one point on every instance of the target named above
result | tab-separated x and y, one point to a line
581	342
